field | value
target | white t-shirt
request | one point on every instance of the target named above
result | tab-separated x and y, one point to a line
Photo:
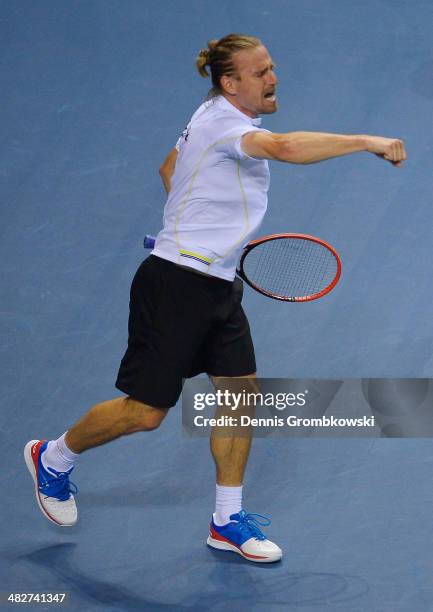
218	195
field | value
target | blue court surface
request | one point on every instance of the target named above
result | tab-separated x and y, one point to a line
94	95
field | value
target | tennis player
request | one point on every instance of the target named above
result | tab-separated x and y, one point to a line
185	308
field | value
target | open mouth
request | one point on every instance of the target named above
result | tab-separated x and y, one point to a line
271	96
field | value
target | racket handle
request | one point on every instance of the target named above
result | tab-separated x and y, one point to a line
149	241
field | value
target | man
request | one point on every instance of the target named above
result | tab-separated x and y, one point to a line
185	310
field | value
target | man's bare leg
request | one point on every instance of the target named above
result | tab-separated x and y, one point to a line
50	463
231	452
110	420
230	447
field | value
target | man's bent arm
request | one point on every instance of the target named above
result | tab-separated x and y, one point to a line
167	169
311	147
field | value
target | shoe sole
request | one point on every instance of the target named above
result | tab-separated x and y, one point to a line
233	548
31	467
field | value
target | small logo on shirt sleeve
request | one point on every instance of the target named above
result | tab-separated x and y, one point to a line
185	134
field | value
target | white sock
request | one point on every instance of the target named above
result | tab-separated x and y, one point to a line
228	501
58	456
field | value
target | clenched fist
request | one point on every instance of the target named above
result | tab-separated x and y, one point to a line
391	149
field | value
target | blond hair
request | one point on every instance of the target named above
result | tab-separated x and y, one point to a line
219	57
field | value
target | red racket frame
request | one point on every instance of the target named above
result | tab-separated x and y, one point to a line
309	298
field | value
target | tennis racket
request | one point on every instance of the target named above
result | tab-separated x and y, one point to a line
287	267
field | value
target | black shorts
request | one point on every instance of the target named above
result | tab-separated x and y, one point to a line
182	323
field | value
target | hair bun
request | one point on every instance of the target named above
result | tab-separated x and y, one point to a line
213	44
204	53
203	61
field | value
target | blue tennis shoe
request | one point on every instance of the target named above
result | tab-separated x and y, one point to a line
54	492
244	536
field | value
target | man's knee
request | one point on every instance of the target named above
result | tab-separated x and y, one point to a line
237	384
142	417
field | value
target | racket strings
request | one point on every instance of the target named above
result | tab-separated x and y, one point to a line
291	267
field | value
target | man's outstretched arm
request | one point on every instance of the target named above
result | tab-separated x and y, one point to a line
311	147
